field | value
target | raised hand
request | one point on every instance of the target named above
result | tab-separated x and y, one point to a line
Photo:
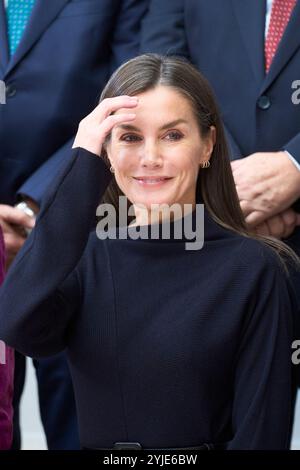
95	127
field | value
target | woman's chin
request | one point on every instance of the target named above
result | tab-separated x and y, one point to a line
153	203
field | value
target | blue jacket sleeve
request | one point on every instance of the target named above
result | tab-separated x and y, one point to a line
36	185
40	292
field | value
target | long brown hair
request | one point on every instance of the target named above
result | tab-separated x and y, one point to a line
215	185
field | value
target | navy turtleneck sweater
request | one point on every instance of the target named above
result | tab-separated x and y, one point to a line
167	347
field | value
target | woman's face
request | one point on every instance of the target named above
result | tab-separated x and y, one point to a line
156	156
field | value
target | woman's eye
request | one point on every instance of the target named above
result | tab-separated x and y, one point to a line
174	135
130	138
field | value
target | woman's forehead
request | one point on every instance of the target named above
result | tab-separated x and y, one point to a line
160	106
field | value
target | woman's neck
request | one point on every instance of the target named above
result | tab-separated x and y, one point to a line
160	213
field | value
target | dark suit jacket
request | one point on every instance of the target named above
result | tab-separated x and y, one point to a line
225	40
67	53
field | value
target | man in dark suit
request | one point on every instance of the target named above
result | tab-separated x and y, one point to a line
227	40
54	71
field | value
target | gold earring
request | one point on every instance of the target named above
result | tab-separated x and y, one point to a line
112	169
205	164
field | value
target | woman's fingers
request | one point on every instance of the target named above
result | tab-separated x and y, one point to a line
94	128
91	135
108	123
110	105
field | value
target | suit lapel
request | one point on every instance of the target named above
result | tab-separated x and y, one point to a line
287	46
41	17
251	19
3	40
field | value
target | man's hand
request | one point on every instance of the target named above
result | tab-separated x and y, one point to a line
267	184
280	225
13	221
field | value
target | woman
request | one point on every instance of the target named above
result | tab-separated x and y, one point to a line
168	347
6	378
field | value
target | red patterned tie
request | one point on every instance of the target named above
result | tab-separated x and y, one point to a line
280	15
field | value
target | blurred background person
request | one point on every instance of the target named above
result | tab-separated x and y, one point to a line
54	58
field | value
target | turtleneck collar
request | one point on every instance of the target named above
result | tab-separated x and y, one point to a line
195	227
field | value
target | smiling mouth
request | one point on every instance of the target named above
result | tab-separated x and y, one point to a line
152	180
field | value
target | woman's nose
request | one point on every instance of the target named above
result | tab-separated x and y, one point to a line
151	156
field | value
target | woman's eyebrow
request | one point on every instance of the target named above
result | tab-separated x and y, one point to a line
130	127
173	123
